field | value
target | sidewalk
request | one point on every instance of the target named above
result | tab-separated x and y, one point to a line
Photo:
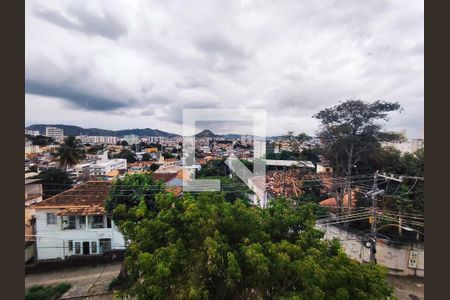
85	280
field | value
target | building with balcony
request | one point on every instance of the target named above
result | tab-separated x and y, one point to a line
74	222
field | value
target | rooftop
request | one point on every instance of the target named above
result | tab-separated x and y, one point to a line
90	194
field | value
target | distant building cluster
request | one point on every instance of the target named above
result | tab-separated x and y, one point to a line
411	145
89	139
77	220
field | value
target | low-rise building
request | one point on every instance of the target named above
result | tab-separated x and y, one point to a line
33	191
74	222
105	165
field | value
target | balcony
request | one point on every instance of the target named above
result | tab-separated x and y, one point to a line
85	222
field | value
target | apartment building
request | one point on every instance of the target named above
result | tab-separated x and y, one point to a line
132	139
54	132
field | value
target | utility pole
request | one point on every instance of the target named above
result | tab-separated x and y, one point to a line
399	179
374	193
373	225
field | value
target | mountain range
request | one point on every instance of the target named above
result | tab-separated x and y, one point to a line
208	133
76	130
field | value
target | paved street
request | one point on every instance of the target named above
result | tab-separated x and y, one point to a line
408	288
85	281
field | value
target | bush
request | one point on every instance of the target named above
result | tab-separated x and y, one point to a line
113	284
39	292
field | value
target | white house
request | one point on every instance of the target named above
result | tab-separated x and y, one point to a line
74	222
105	165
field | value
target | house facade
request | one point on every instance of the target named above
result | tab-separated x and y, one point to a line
74	222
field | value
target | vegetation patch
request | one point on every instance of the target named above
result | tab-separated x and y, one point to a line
51	292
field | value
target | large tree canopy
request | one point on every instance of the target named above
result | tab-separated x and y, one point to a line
54	181
203	247
351	129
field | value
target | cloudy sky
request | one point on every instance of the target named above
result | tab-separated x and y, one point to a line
137	64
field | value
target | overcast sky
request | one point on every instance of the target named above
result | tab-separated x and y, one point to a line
137	64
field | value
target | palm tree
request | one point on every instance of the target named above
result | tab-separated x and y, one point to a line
70	152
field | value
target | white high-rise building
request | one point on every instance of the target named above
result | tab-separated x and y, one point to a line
54	132
132	139
259	149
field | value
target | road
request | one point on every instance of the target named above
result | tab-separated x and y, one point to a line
85	281
94	281
408	288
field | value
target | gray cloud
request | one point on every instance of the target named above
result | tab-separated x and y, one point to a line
158	57
76	97
81	19
147	112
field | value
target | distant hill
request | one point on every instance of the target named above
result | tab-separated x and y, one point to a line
206	133
232	136
209	133
76	130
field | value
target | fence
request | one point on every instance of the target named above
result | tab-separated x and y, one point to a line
400	259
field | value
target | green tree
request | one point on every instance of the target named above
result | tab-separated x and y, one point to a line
203	247
351	129
40	140
168	155
126	154
154	167
214	167
54	181
130	191
71	152
350	132
94	149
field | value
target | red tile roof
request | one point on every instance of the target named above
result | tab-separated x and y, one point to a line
89	194
165	177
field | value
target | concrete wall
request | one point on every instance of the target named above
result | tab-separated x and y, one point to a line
52	241
30	252
395	257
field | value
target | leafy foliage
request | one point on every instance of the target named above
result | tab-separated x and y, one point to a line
168	155
146	157
214	167
71	152
131	191
203	247
351	130
54	181
126	154
39	292
94	149
40	140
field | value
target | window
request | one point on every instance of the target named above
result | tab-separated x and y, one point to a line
51	219
82	222
77	248
97	221
105	244
72	222
70	245
93	247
